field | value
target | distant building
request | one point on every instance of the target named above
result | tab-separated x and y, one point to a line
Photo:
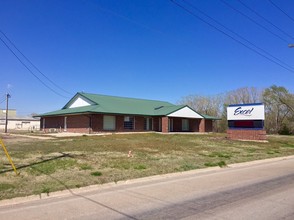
15	122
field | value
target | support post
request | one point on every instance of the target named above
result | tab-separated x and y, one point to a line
6	117
164	125
202	125
8	157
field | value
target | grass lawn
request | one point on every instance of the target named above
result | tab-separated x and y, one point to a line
61	163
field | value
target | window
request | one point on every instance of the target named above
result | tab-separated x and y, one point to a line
185	124
148	125
108	122
129	122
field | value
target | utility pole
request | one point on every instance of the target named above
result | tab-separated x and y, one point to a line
6	119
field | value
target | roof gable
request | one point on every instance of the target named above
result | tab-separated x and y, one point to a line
78	101
185	112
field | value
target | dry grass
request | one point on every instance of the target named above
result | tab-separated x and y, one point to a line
62	163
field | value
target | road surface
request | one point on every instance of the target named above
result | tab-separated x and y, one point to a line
258	190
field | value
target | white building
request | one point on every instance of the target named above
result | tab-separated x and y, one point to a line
15	122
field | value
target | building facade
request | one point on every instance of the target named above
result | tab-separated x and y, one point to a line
15	122
92	113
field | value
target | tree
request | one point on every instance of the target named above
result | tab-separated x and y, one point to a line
207	105
279	108
243	95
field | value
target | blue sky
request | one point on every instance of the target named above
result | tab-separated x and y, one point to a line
149	49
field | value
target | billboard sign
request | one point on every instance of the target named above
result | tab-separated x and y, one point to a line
253	111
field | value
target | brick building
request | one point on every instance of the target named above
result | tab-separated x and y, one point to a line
92	113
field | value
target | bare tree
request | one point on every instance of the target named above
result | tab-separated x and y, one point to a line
243	95
279	108
208	105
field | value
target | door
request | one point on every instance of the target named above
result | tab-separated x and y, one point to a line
108	122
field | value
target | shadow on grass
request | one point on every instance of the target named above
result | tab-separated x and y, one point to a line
64	155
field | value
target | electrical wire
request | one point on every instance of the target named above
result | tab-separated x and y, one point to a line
230	30
252	20
34	65
259	15
41	81
2	101
281	10
228	35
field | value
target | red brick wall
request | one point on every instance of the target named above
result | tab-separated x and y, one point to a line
194	125
120	123
156	124
75	123
52	123
139	123
164	124
208	126
202	125
97	123
177	124
246	134
78	123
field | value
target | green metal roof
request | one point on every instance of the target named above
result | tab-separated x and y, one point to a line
117	105
210	117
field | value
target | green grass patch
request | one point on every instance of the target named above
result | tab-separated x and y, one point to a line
214	164
6	186
220	154
85	166
49	167
96	173
140	167
187	166
46	190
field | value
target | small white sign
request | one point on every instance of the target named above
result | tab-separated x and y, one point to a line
246	112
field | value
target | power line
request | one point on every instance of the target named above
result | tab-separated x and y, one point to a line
230	30
44	84
33	64
281	10
252	20
231	37
259	15
2	101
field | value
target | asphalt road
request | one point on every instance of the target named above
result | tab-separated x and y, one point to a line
259	190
